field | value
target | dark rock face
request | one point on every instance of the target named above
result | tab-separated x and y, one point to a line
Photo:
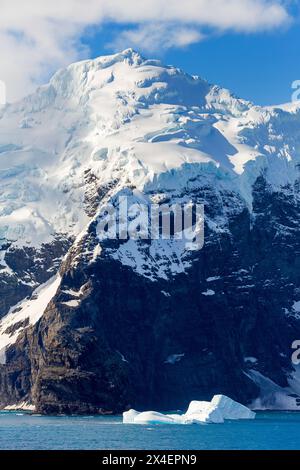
126	341
29	267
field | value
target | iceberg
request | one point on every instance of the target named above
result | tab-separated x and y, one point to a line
216	411
152	417
231	409
129	416
203	412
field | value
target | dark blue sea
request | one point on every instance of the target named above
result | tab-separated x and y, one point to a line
270	430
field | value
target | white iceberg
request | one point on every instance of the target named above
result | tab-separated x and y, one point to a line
129	416
152	417
219	409
203	412
231	409
178	419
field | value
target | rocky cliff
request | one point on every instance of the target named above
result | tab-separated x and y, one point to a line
96	325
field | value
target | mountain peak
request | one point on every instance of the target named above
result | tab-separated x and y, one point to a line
129	55
130	52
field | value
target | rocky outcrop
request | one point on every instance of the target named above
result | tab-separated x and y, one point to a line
121	340
26	268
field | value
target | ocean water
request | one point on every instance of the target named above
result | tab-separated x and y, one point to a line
270	430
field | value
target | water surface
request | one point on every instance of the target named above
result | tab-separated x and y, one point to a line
270	430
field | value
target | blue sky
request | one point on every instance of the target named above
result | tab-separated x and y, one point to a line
259	67
248	46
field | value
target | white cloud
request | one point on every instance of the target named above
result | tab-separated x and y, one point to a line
240	15
38	36
153	37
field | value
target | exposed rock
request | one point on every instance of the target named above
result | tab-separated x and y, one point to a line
28	268
140	323
109	352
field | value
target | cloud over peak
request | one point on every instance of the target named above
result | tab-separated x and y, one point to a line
38	37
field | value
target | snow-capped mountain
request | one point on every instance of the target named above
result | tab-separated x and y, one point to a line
91	325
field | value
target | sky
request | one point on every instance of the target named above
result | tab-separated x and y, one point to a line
248	46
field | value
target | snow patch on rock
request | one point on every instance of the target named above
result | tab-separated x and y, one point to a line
173	358
23	406
26	313
273	396
208	292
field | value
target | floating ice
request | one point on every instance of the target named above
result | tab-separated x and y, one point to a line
231	409
129	416
217	410
203	412
152	417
